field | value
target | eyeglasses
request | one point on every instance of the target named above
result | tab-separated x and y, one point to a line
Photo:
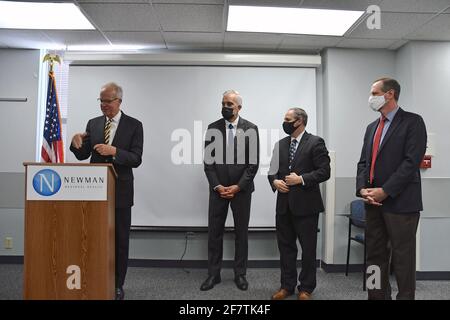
106	100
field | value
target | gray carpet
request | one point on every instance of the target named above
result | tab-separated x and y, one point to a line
184	284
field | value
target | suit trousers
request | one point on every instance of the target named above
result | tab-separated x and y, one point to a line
218	210
289	229
392	236
122	234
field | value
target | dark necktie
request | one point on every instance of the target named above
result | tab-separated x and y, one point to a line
108	130
292	151
230	136
376	146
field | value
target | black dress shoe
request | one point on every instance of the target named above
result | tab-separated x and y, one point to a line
120	294
210	282
241	282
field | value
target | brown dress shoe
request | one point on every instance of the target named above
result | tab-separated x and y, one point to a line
303	295
281	294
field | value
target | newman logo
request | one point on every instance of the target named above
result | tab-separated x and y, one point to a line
46	182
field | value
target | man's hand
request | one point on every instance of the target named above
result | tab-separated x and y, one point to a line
373	196
377	194
77	140
281	186
293	179
105	149
229	192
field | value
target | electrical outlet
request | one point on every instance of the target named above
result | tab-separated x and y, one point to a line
8	243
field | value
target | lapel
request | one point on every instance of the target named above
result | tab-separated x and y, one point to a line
283	151
240	129
371	135
395	122
301	144
119	129
223	131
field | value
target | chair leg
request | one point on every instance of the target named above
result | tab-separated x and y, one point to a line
365	265
348	245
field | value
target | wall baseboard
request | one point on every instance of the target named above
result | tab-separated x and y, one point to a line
203	264
11	259
420	275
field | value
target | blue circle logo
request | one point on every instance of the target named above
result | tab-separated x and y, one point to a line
46	182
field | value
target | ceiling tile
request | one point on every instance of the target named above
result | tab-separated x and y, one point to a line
248	40
437	29
76	37
151	38
366	43
393	26
109	1
28	39
189	1
122	17
193	40
293	42
418	6
190	18
359	5
266	3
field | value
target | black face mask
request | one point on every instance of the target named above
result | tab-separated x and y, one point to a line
288	127
227	113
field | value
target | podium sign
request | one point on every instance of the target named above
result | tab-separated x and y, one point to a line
69	231
66	183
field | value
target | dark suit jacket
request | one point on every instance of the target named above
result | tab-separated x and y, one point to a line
129	140
312	162
397	165
246	155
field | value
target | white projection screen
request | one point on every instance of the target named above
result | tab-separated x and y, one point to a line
175	105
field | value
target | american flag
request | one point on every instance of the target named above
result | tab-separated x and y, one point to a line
52	145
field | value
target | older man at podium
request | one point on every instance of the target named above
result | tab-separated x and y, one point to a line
114	138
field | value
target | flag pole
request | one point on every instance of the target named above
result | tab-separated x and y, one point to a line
52	145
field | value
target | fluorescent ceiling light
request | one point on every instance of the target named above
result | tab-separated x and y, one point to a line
291	20
33	15
124	47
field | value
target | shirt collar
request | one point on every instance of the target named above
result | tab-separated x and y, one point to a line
299	137
234	123
117	117
390	116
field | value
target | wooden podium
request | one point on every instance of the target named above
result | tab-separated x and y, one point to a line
69	231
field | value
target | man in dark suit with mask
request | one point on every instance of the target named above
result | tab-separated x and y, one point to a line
388	179
231	162
300	162
114	138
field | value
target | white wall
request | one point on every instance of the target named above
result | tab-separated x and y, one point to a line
19	79
425	66
348	77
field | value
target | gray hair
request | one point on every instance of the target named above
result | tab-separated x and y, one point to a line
238	96
116	88
300	114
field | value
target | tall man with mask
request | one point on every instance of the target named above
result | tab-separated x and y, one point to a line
388	180
300	162
231	162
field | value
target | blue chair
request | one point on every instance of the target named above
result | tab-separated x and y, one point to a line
357	218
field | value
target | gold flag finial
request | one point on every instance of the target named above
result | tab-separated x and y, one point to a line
52	58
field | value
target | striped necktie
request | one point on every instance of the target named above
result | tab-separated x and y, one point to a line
108	130
292	149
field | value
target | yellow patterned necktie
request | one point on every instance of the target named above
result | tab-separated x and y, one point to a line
108	130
